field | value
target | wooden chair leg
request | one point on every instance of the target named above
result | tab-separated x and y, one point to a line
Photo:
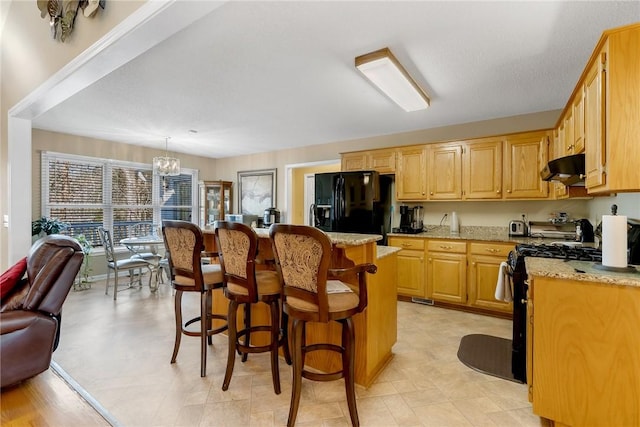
209	318
203	334
178	313
296	389
233	339
275	344
348	354
247	327
284	330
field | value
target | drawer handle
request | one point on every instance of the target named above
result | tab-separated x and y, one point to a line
406	244
445	247
493	250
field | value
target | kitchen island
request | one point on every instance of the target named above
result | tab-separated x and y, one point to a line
376	326
583	358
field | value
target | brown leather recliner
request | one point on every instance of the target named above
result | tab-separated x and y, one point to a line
29	330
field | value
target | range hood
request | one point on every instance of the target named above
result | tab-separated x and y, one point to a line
568	170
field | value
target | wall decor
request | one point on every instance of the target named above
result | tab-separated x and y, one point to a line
62	14
257	191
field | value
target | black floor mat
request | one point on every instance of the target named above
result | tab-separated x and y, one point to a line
487	354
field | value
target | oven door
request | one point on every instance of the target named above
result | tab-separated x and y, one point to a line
519	339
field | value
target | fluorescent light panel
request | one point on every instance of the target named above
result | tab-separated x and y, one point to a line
384	71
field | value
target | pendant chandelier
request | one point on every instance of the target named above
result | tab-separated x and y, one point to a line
165	165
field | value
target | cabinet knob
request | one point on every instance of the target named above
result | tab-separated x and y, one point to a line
498	191
508	191
431	193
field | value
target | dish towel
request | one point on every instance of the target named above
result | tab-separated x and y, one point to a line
504	290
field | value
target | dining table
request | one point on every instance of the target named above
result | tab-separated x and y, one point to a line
144	245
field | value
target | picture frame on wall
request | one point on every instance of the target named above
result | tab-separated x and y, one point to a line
257	191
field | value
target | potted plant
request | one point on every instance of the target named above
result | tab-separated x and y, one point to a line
47	226
83	281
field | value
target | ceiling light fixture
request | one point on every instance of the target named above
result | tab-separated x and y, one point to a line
165	165
384	71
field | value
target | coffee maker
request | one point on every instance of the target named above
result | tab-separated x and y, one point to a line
410	220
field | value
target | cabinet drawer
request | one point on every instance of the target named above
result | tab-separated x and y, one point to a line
447	246
492	249
413	243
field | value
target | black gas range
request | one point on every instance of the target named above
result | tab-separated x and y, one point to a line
518	272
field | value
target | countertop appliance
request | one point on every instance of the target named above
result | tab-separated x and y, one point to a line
633	239
353	202
584	231
517	228
560	230
271	216
411	220
518	273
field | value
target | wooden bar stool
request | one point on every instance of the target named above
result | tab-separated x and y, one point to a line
244	285
184	244
312	294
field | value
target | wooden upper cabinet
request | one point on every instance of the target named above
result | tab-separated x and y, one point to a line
383	161
569	143
594	117
578	122
445	171
411	173
524	157
354	161
482	169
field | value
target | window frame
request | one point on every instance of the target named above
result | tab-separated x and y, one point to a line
107	204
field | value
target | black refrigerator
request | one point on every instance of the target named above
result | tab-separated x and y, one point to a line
353	202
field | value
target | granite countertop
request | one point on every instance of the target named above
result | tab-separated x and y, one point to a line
479	233
492	234
344	239
579	270
384	251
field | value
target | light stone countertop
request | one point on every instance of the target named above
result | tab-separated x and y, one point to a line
479	233
384	251
343	239
561	269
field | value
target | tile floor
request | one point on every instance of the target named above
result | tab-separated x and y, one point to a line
120	352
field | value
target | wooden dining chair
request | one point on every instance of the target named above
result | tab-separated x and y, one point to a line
313	293
244	286
184	244
127	264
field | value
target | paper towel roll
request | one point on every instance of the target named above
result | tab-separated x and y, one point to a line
614	241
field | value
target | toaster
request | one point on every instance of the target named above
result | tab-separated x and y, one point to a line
517	228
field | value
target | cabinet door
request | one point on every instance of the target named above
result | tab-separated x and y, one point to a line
354	162
447	277
483	276
411	273
568	133
483	170
560	190
594	123
445	168
383	161
578	122
525	156
215	201
411	179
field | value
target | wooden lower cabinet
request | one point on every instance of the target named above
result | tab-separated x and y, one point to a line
585	363
411	266
447	271
451	271
484	268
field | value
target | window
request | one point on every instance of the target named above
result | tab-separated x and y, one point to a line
89	192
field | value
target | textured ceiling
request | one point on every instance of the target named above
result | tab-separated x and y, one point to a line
261	76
